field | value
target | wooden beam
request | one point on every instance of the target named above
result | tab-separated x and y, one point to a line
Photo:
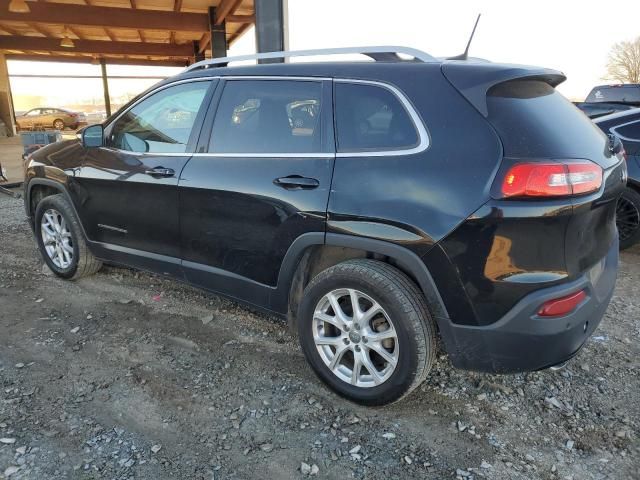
75	33
241	19
238	33
81	15
204	42
226	7
95	47
9	30
109	60
40	30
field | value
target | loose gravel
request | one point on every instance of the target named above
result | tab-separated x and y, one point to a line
129	375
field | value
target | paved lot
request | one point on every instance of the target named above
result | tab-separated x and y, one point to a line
128	375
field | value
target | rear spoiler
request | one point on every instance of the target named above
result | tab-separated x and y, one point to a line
473	80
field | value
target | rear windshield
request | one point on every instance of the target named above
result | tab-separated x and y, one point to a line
616	94
535	121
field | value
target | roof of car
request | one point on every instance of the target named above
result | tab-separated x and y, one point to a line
617	85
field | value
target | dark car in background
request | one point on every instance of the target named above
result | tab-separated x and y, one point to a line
608	99
626	126
378	206
45	117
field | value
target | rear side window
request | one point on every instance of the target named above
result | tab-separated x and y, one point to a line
615	94
371	118
534	120
268	116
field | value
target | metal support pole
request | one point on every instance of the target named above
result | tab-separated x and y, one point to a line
271	28
105	87
197	55
218	35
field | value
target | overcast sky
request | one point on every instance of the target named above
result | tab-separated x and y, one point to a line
571	36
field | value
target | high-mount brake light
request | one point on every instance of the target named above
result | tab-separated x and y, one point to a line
551	179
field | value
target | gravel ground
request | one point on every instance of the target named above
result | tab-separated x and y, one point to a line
129	375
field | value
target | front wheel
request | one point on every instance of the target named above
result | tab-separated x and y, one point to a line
628	218
61	240
365	329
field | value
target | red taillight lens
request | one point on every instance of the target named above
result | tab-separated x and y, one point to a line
551	179
563	305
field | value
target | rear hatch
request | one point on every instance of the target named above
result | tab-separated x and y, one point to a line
537	125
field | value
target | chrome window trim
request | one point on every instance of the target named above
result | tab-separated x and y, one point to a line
423	135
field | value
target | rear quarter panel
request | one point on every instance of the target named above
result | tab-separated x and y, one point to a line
416	200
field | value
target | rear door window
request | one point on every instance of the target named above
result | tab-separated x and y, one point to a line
371	118
268	117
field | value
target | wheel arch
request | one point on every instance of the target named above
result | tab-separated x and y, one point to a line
39	188
312	253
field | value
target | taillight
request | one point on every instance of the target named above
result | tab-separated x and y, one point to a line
551	179
562	306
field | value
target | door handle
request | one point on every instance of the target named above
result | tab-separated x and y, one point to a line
160	172
296	182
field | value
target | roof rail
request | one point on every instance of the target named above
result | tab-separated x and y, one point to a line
382	53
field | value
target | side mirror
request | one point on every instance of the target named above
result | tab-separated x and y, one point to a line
93	136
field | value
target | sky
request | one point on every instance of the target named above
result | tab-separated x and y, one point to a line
571	36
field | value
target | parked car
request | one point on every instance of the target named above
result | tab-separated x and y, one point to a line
626	126
420	201
96	117
56	118
608	99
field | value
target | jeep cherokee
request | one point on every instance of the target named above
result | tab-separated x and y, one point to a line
379	206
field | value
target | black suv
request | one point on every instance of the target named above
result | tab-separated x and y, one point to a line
379	206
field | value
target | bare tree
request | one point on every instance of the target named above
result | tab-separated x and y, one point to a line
624	62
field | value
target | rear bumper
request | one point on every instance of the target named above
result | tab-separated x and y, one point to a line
523	341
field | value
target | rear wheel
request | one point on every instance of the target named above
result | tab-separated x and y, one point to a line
61	240
365	329
628	218
58	124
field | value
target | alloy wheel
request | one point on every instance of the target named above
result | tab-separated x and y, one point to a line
56	238
627	218
355	338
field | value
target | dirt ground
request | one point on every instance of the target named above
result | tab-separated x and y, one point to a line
129	375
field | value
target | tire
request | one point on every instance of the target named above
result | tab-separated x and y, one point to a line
58	124
66	254
403	307
628	218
